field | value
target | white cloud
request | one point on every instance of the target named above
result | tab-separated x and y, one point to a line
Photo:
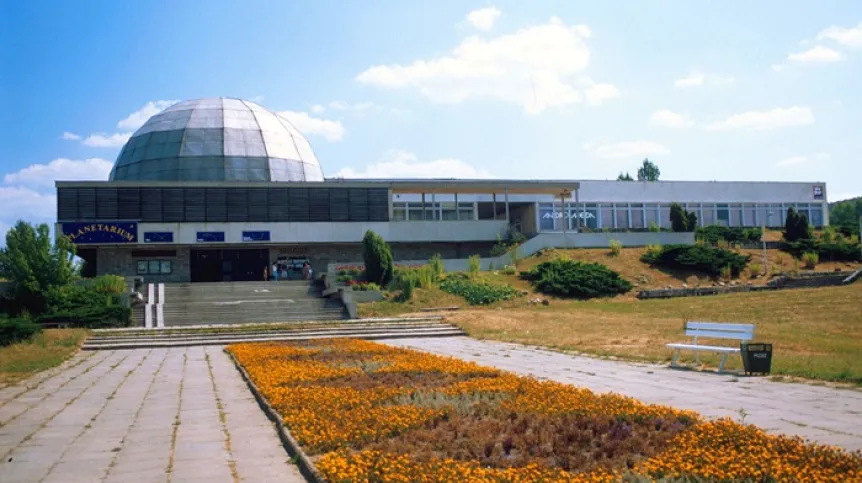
315	126
317	109
818	54
404	164
847	37
70	136
536	67
483	19
777	67
598	93
792	161
667	118
102	140
765	120
696	79
19	202
628	149
137	119
60	169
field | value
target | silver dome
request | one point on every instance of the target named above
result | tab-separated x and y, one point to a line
217	139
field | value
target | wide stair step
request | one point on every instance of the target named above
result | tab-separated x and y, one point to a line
180	337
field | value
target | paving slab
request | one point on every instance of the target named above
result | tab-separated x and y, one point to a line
149	415
822	414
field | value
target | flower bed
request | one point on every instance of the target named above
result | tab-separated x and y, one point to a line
369	412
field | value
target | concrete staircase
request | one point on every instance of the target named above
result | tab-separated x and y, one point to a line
187	304
812	280
113	339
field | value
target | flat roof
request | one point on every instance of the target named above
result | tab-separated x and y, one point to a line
472	186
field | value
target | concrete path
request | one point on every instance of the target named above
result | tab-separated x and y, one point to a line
828	416
160	415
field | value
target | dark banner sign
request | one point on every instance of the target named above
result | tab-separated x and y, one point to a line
210	236
158	237
251	236
103	232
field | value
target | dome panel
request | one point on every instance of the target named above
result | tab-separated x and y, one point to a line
217	139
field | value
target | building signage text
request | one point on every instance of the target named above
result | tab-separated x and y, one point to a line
556	215
252	236
210	236
158	237
103	232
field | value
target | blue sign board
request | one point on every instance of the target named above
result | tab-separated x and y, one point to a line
158	237
253	236
210	236
101	232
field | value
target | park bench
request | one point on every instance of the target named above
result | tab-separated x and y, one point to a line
712	330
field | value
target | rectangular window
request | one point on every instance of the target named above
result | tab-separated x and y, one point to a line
607	216
708	214
637	220
623	216
651	215
665	216
723	218
154	267
816	215
399	212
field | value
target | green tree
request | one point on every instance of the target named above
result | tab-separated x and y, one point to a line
845	215
648	171
625	177
379	267
678	218
796	226
691	217
34	264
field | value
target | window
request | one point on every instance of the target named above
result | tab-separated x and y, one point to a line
637	220
154	267
399	212
723	215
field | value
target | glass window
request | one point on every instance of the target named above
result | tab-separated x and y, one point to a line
548	216
665	216
142	267
399	212
816	215
708	214
153	266
723	218
637	220
623	216
607	211
651	215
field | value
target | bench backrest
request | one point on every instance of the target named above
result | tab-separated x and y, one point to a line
719	331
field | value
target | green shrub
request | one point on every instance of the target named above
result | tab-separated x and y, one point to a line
702	258
810	259
406	286
437	268
842	250
654	227
379	267
107	284
89	317
474	264
714	233
477	293
678	218
652	252
510	270
723	244
616	247
582	280
513	256
726	272
17	330
796	226
755	269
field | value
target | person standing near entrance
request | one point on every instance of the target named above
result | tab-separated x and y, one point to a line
275	272
305	269
265	274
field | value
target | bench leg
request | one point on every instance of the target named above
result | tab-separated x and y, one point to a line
675	357
721	366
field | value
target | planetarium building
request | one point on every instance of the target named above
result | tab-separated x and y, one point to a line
216	189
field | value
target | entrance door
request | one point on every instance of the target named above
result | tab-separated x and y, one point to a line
229	265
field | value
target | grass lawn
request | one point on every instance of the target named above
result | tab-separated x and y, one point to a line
817	333
48	349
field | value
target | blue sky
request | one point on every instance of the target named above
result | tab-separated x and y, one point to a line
762	90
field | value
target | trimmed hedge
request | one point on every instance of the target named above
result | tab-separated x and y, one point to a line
477	293
701	258
567	278
90	317
17	330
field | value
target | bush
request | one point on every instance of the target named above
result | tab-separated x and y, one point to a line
724	244
379	267
436	265
474	264
653	227
678	219
652	251
510	270
796	226
843	250
810	259
755	269
616	247
17	330
726	272
715	233
108	284
89	317
477	293
697	257
567	278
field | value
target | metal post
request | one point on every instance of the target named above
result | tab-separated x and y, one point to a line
578	211
506	194
424	215
494	204
763	239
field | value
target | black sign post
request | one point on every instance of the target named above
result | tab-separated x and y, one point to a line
757	358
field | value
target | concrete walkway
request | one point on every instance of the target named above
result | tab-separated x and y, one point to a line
160	415
828	416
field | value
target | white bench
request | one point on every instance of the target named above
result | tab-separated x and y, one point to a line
713	330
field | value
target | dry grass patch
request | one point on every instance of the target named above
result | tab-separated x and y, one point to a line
47	349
